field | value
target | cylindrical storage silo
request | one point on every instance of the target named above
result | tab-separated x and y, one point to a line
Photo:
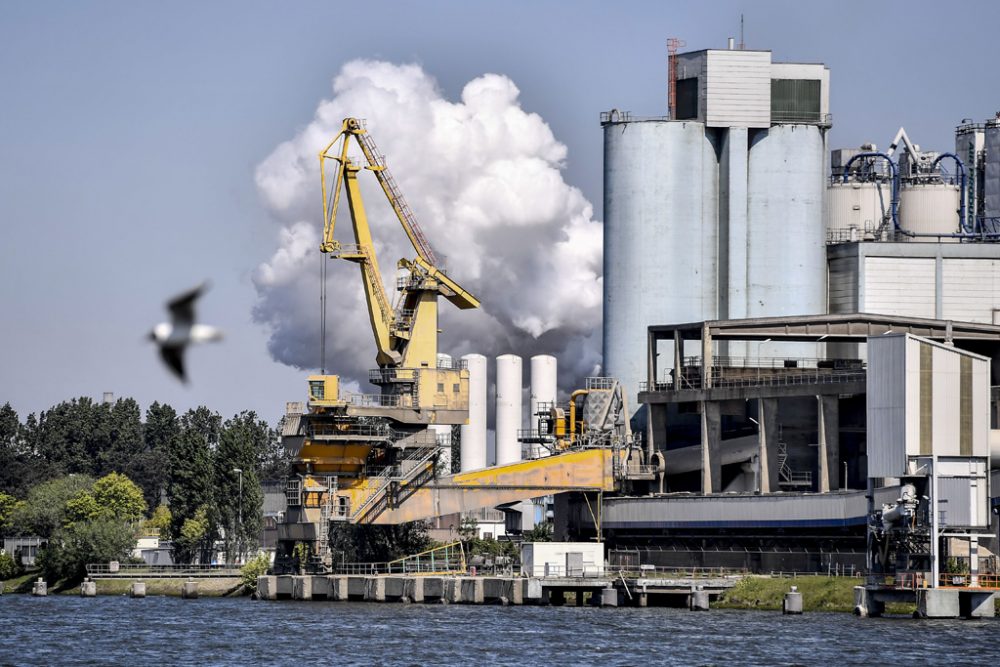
443	360
473	445
855	209
543	391
509	419
991	173
929	208
661	193
786	240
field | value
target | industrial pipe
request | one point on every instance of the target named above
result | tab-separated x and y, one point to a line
572	412
894	204
962	224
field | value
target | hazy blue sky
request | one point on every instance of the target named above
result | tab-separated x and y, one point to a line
130	132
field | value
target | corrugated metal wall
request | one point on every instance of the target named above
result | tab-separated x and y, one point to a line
843	285
970	289
899	286
739	89
886	406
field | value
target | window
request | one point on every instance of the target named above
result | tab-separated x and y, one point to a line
316	389
795	101
440	387
687	99
455	388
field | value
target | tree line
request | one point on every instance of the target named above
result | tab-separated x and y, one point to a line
183	468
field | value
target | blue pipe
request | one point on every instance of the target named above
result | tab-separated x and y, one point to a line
962	223
894	205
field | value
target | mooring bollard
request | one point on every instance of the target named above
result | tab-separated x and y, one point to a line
699	599
138	589
792	603
40	588
189	590
88	588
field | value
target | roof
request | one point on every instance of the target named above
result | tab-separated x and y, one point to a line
836	328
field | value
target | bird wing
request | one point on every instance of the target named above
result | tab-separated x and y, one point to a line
173	357
182	306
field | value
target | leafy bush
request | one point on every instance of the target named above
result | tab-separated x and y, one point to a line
77	544
255	567
8	567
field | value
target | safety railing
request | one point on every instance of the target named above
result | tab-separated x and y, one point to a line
380	400
615	116
964	580
801	118
557	570
142	570
328	429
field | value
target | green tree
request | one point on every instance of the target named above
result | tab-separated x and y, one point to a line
44	510
8	506
75	545
151	468
119	497
238	496
71	436
274	460
122	430
158	523
189	486
191	537
19	467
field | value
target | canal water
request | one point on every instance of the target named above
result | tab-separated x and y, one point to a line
62	630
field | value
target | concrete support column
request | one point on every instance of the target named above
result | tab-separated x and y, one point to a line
974	561
828	432
138	589
767	437
88	588
189	590
711	446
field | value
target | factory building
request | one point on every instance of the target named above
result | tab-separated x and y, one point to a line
715	212
748	271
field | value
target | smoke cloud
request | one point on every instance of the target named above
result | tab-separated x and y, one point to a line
483	177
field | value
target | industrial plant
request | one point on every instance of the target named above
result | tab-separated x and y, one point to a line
801	356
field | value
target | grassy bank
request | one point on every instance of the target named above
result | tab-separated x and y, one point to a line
819	593
207	587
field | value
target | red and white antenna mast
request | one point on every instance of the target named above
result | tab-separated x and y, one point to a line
672	45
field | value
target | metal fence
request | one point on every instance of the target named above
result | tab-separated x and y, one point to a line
142	570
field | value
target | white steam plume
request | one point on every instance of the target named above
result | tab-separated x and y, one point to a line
483	179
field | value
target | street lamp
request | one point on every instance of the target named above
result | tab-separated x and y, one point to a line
239	529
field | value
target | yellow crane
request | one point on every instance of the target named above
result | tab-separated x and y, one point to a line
406	336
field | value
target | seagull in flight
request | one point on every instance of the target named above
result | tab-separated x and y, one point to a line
173	337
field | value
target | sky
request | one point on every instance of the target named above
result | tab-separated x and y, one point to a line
134	137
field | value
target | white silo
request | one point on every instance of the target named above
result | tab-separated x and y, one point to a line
991	172
661	190
929	208
544	373
786	239
473	445
855	209
508	408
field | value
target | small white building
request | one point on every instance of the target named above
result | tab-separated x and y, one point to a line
562	559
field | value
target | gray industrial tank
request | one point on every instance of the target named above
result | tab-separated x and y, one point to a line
786	245
661	189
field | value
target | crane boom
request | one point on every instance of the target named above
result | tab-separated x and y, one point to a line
406	336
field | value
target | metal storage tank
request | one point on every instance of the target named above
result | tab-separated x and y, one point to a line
473	446
786	245
543	390
854	209
508	413
929	208
661	193
991	169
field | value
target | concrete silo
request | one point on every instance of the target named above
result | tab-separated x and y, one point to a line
509	419
473	434
718	212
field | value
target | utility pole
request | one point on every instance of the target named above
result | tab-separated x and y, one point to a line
239	525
